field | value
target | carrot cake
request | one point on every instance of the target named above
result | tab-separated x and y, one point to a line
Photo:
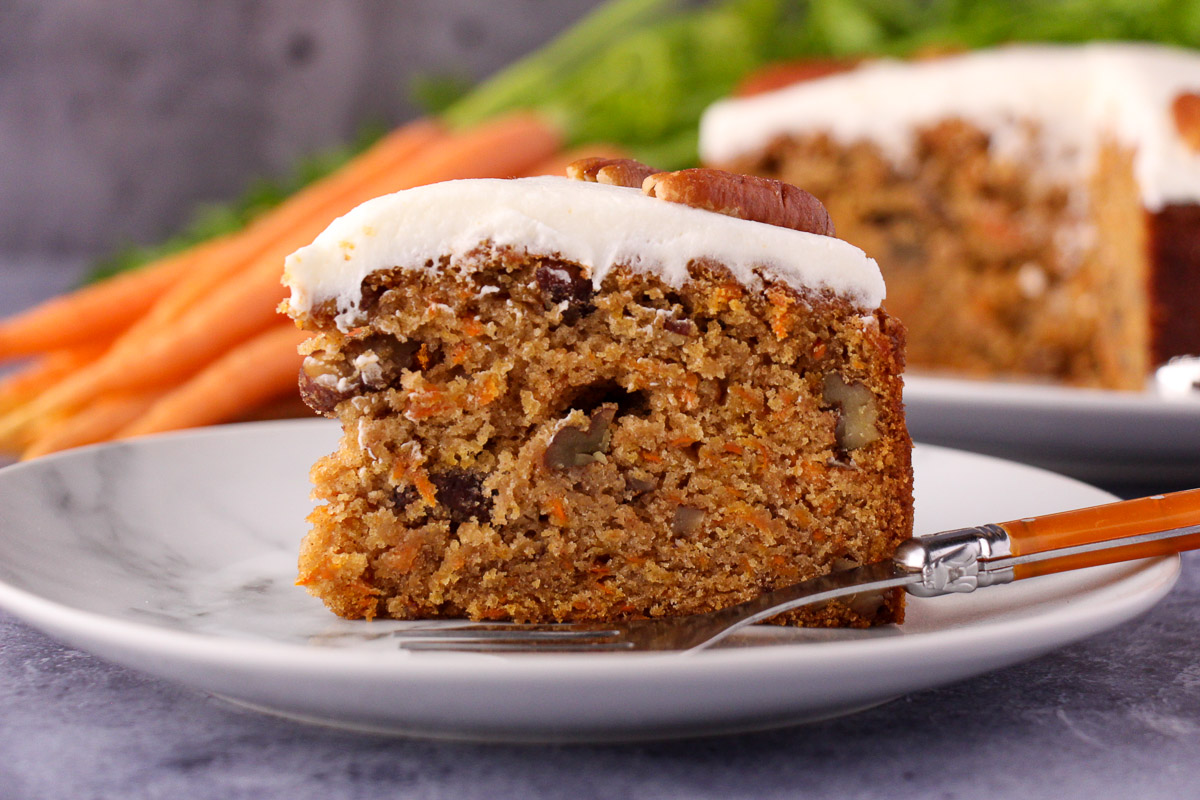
1035	208
595	398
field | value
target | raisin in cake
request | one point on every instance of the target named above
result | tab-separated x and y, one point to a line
566	400
1034	207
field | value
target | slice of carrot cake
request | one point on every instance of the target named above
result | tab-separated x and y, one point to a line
593	399
1036	209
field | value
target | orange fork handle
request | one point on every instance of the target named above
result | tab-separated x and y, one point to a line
1105	523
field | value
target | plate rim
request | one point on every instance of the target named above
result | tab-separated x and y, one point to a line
935	388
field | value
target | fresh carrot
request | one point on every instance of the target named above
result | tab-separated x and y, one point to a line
22	385
245	304
295	222
503	147
246	377
169	286
557	163
97	312
97	423
194	328
235	312
218	259
291	224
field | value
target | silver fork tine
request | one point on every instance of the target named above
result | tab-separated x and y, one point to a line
660	633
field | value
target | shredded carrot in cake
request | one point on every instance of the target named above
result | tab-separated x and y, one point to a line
780	311
428	402
760	520
459	354
558	511
489	390
761	447
410	468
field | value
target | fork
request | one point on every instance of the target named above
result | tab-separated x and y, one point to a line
947	562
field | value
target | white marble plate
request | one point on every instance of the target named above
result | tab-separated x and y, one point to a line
1108	437
175	555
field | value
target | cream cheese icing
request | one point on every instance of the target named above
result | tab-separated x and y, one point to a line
595	225
1076	94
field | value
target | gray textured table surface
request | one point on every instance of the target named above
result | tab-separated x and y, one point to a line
1115	716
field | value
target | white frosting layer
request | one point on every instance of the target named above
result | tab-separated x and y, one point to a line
1078	95
594	225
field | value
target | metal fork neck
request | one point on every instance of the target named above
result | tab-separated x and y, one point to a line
964	559
956	560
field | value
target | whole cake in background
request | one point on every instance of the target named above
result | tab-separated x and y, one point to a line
1035	208
598	398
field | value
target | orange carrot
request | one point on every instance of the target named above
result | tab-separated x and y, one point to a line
96	312
242	304
245	304
499	148
557	163
296	221
257	371
112	306
96	423
270	238
234	313
21	385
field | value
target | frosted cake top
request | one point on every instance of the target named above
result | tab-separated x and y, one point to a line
1077	95
595	225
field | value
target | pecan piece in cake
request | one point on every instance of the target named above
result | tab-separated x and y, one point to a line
686	520
613	171
742	196
370	365
575	447
856	412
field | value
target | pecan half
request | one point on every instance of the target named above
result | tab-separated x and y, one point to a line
575	447
1186	110
613	171
742	196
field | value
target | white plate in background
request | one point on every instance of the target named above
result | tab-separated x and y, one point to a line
175	555
1103	436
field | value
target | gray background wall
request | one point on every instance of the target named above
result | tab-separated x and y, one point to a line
116	119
